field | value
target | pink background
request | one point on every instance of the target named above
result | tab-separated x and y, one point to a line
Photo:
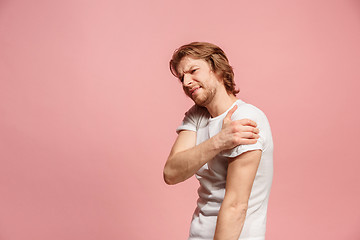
88	111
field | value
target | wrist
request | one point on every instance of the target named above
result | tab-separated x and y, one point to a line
217	143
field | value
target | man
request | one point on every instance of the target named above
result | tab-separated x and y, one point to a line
218	142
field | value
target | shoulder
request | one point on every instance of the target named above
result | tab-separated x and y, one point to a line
246	110
195	117
196	112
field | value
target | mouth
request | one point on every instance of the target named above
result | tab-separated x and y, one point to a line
194	90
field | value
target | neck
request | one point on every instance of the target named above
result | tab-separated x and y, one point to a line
220	104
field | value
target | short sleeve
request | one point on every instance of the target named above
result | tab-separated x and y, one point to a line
244	148
190	121
250	112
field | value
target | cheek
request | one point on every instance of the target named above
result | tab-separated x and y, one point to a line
185	91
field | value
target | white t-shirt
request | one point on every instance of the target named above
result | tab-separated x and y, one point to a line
212	175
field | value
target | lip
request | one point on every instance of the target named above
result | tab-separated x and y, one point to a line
194	90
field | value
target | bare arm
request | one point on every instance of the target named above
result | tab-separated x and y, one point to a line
186	158
240	177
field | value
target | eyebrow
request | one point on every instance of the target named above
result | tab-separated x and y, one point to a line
192	66
181	74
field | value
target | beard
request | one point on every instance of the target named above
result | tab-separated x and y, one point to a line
204	97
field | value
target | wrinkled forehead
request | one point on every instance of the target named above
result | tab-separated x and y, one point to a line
188	62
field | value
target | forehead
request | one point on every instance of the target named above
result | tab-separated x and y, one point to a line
188	62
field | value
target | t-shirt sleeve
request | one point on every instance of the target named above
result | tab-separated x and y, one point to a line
190	120
249	112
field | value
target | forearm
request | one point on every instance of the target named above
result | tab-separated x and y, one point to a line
230	221
184	164
186	158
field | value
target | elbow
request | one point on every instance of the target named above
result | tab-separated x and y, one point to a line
169	177
172	172
238	212
238	208
168	180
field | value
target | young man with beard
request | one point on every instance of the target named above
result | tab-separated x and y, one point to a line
218	142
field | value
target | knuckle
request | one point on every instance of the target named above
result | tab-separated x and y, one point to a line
236	128
242	122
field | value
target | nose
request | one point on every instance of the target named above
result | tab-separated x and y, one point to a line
187	80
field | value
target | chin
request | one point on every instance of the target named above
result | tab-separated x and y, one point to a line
201	102
204	99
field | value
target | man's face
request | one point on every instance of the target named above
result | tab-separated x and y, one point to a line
199	81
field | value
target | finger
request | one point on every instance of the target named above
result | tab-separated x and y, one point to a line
247	122
248	141
249	129
230	112
249	135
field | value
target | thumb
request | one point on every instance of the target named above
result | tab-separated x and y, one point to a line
230	113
